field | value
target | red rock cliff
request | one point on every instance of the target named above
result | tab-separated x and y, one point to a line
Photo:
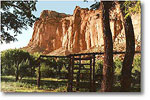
60	34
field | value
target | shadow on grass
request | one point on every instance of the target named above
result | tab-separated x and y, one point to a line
45	84
52	84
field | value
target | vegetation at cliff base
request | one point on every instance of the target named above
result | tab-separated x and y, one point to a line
53	79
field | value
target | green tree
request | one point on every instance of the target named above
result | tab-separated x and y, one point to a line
24	68
15	16
14	62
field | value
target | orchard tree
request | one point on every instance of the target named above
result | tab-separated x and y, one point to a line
16	62
15	16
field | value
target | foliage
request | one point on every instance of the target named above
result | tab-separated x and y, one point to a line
36	55
47	71
99	67
95	5
137	64
132	7
15	16
24	68
117	67
136	70
51	67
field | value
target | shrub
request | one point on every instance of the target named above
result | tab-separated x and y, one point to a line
24	69
117	67
51	67
136	70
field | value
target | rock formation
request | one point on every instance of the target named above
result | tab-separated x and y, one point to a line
61	34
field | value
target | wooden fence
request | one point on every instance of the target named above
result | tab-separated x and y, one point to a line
76	64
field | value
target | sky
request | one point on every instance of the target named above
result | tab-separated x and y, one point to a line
59	6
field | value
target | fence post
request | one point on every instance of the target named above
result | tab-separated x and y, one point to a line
72	70
93	73
69	75
39	75
78	75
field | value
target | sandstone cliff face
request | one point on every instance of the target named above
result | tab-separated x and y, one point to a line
62	34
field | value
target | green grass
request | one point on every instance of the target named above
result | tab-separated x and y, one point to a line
8	84
47	85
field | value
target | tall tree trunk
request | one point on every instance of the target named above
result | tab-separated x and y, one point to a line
107	81
17	73
130	50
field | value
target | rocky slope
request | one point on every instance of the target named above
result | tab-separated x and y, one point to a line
61	34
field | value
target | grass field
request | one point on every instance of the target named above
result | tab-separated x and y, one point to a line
47	85
8	84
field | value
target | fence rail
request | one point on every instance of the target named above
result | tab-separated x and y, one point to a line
82	54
